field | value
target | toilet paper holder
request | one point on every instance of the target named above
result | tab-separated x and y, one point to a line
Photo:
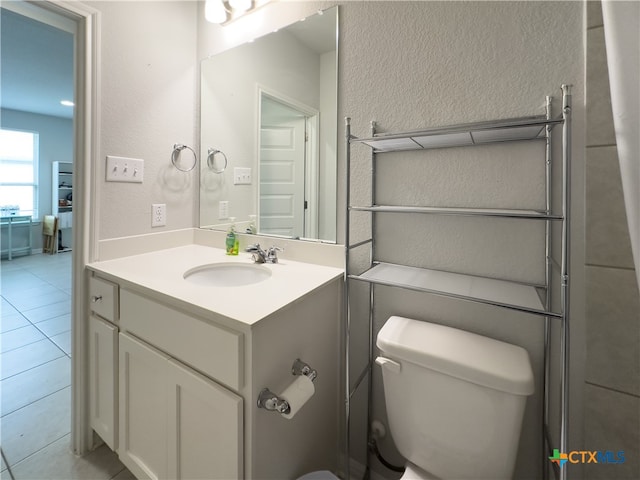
274	403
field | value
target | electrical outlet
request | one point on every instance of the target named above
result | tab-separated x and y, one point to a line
158	215
123	169
223	210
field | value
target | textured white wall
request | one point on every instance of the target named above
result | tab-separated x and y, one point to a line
148	103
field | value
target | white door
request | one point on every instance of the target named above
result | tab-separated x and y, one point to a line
205	429
282	169
143	409
103	379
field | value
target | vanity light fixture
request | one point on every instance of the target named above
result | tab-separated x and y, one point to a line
214	11
240	5
224	11
67	103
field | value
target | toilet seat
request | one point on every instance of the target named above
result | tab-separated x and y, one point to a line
412	472
319	475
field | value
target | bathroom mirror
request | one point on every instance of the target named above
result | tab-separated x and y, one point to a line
268	133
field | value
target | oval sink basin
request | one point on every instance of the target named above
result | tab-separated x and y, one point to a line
227	274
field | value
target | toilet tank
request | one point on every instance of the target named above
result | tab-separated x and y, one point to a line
455	400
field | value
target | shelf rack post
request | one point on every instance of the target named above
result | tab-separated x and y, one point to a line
372	256
548	300
565	294
347	309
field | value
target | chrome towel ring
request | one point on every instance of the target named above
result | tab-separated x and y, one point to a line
211	154
175	155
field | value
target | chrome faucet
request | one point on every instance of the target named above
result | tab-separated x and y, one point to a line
260	256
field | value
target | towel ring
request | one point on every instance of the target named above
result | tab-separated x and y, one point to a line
175	155
211	154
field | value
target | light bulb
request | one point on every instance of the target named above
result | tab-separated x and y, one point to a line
240	5
214	11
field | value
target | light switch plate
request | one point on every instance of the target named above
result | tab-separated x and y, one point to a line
123	169
241	176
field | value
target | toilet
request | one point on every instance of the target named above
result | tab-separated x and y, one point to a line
455	400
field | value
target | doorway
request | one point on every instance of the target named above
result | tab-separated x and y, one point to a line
288	167
85	24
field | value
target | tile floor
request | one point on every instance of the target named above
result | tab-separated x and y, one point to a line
35	380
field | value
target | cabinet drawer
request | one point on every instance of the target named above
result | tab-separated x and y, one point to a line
211	349
103	298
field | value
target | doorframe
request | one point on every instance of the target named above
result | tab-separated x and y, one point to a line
312	155
86	130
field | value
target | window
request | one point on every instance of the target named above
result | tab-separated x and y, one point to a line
18	173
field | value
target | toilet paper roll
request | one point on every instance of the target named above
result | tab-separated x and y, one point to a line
297	394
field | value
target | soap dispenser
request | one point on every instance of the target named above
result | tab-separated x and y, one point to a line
232	242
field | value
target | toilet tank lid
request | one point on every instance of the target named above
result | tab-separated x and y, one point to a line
464	355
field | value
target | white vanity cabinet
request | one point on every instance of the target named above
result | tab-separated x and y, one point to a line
103	359
192	361
175	422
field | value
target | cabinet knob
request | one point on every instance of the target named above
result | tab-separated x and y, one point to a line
96	298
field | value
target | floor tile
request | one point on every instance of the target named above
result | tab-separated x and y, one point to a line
27	291
48	311
56	325
27	303
63	341
30	356
27	387
124	475
49	262
19	338
7	266
18	280
56	280
12	321
13	270
30	429
7	309
57	462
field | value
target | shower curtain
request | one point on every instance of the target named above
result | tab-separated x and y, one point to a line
622	39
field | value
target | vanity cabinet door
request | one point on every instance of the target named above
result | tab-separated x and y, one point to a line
205	431
143	409
103	379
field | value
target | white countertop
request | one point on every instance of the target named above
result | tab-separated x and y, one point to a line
163	272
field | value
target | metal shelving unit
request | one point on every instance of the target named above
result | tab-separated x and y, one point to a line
529	298
61	206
